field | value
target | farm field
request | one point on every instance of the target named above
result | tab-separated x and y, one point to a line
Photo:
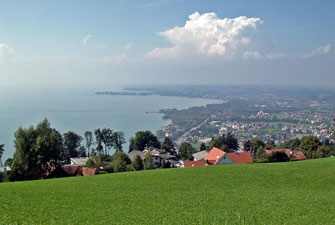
279	193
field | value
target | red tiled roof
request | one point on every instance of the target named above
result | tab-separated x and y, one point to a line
242	157
298	155
195	163
215	155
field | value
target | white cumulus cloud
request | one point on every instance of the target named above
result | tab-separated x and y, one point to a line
86	39
207	34
318	51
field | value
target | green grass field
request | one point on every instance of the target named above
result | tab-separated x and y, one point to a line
279	193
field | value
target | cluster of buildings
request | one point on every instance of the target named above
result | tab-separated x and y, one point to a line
158	157
217	156
203	158
267	127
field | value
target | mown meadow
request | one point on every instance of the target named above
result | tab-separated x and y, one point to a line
278	193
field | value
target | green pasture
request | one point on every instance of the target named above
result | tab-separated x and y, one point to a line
278	193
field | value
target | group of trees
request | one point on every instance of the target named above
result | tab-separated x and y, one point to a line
142	140
227	143
106	137
105	140
146	139
40	150
185	151
120	162
311	146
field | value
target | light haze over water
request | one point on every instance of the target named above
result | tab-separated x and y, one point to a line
82	110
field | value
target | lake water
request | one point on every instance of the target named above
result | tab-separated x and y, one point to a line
82	110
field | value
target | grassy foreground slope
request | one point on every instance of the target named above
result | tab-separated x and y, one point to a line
281	193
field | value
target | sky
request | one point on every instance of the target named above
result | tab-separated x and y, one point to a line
101	43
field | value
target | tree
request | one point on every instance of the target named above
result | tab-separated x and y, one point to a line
107	138
279	156
82	151
119	140
291	144
231	142
247	146
219	142
322	152
37	152
228	143
261	154
270	145
8	162
71	144
149	161
98	138
202	147
131	144
1	153
120	162
309	145
94	162
89	139
137	163
168	145
185	151
144	139
255	144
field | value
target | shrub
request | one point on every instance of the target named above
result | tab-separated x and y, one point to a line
120	162
106	158
129	167
262	160
94	162
108	168
137	163
2	176
279	157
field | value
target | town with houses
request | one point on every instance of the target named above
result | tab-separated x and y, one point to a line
215	156
273	117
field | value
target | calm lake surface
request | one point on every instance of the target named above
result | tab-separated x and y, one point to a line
82	110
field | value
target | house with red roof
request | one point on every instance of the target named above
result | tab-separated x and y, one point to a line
214	155
217	156
291	154
236	158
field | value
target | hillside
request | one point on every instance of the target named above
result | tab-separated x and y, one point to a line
281	193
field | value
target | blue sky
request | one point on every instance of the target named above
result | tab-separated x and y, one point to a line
101	43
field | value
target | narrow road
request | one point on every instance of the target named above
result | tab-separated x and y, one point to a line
181	138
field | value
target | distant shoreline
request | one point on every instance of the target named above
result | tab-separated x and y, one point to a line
140	93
